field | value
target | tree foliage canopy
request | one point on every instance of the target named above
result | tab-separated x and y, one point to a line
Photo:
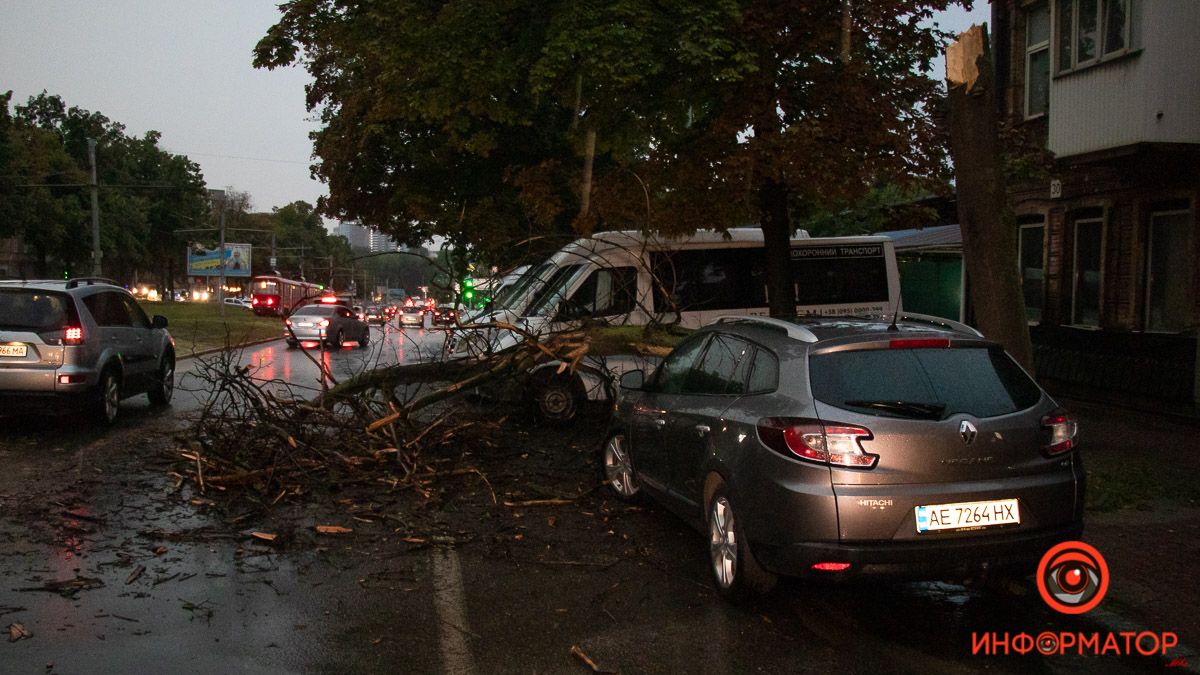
470	118
146	192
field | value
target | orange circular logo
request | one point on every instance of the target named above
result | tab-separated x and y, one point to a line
1072	577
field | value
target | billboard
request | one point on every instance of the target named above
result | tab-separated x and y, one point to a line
207	263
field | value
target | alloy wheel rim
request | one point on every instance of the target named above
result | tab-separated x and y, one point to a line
618	467
112	398
722	542
168	381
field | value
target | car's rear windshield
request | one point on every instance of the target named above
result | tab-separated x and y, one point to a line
27	309
924	383
411	310
315	310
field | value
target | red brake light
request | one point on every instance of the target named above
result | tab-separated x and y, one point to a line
287	322
831	566
920	343
816	442
73	335
1060	428
323	323
329	300
270	301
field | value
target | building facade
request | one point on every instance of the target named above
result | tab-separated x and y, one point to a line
1108	243
365	238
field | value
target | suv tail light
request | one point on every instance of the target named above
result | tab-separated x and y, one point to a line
810	440
73	335
1060	429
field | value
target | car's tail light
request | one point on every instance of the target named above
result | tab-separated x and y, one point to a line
254	300
287	322
920	343
270	301
831	566
323	323
811	440
1059	428
73	335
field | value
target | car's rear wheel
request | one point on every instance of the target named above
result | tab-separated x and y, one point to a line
107	402
366	339
736	572
557	397
164	387
618	468
336	343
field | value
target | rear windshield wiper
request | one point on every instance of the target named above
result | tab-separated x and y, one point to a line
932	411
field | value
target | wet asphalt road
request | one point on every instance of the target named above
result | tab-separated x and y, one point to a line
630	589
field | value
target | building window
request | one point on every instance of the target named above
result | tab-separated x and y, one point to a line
1087	271
1037	60
1032	258
1169	299
1089	30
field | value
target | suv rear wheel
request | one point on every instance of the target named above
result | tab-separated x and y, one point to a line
164	387
736	572
107	402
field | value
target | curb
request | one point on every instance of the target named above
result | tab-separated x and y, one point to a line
214	350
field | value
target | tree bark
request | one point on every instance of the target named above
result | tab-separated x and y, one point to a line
989	231
585	191
777	240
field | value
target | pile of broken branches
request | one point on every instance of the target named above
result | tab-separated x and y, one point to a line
269	440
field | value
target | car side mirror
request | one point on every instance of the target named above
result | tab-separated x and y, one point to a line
159	321
634	379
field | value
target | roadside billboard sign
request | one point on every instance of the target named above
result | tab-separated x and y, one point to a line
207	263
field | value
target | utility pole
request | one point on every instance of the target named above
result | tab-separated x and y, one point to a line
219	197
95	189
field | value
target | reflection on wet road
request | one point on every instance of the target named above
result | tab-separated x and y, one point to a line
300	369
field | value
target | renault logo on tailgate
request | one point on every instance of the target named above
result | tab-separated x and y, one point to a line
967	431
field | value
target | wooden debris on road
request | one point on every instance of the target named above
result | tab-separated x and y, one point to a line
17	631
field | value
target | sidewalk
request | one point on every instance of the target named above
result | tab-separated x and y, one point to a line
1144	513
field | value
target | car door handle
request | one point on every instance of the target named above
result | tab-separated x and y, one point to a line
702	429
660	423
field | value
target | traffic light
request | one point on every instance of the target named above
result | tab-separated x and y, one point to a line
468	285
66	274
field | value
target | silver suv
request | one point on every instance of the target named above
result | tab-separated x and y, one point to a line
843	447
80	343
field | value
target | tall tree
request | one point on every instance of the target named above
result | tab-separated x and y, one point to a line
146	193
482	121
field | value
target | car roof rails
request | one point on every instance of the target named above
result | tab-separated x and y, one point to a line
793	331
939	321
75	282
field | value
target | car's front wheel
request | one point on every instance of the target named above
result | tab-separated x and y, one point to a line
164	386
736	572
107	402
618	468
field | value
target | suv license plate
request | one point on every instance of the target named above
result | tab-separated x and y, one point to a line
967	515
17	351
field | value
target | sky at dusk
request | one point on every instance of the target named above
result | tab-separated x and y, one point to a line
184	69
